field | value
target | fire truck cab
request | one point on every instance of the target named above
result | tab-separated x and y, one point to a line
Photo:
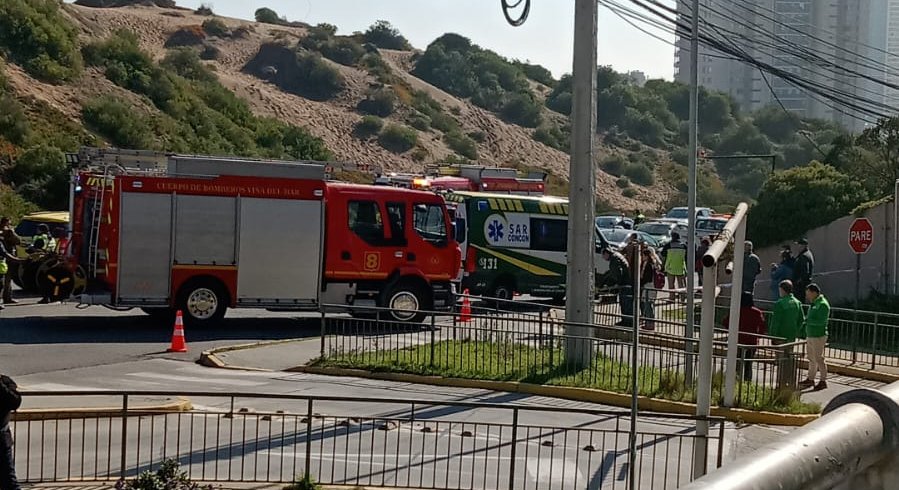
203	234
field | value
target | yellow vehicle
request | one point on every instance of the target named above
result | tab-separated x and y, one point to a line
27	227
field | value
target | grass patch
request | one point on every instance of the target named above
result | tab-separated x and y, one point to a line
504	360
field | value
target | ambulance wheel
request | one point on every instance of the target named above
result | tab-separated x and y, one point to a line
503	290
406	302
202	302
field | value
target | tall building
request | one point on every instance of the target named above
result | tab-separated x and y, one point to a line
857	34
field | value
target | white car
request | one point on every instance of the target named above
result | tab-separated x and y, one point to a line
681	214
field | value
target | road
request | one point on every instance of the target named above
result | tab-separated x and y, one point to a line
57	347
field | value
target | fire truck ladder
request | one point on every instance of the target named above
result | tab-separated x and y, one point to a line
93	253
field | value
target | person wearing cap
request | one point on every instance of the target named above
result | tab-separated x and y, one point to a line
803	267
781	272
752	267
816	337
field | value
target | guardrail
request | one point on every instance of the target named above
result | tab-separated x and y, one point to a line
382	442
528	347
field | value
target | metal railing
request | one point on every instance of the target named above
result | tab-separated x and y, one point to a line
528	347
387	442
852	446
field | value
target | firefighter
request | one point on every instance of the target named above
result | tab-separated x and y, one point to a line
10	241
43	240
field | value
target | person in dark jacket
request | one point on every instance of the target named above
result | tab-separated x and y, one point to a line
650	265
10	400
781	272
752	267
752	324
803	268
704	245
619	276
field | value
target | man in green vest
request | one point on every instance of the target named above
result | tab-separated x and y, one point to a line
785	324
43	240
675	262
816	336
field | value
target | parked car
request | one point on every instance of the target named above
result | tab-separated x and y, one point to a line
618	238
27	227
610	222
661	230
681	214
709	227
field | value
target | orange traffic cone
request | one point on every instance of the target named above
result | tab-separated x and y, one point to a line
465	313
178	343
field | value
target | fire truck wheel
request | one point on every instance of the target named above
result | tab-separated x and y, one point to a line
406	302
203	302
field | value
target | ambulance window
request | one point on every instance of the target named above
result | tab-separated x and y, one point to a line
365	221
396	216
430	223
461	230
549	234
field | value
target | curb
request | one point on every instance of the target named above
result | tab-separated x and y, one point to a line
209	358
570	393
178	405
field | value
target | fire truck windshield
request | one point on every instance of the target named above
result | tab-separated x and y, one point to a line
430	223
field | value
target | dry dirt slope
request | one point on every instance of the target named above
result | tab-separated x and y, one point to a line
333	121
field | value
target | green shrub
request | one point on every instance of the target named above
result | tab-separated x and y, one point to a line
379	102
537	73
639	174
168	477
384	35
397	138
204	9
623	182
186	63
522	109
266	15
613	165
13	122
419	121
478	136
343	50
40	175
216	27
118	121
186	36
629	192
369	126
13	205
377	67
442	121
461	144
36	35
553	136
317	79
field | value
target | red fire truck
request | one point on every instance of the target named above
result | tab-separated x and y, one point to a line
202	234
441	178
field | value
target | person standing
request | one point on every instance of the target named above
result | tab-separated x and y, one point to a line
10	241
752	267
704	245
675	253
5	259
781	272
816	337
619	276
651	265
10	400
752	325
803	268
785	324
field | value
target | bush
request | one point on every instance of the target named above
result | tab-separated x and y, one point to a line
167	477
379	102
398	139
376	67
639	174
216	27
623	182
613	165
681	156
318	79
419	121
343	50
242	32
13	122
523	110
40	175
12	204
554	137
34	34
442	121
266	15
461	144
210	52
186	36
204	9
369	126
384	35
478	136
118	121
630	192
186	62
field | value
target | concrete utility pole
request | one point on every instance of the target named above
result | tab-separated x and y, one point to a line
582	185
691	184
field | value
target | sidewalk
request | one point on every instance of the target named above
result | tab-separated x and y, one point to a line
37	406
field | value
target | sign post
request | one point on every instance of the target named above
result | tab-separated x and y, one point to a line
861	236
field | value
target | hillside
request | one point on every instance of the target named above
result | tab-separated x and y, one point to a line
471	130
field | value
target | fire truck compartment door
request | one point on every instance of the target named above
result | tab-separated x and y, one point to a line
280	253
145	261
205	229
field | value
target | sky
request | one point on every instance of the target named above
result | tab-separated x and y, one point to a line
546	38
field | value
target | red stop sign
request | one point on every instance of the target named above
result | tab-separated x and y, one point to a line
861	235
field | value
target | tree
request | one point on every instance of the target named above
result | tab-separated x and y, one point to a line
383	35
776	123
36	35
882	141
40	175
267	16
795	201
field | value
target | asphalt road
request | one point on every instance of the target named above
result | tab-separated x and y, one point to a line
58	347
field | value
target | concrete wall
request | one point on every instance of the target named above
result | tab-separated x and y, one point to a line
835	261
